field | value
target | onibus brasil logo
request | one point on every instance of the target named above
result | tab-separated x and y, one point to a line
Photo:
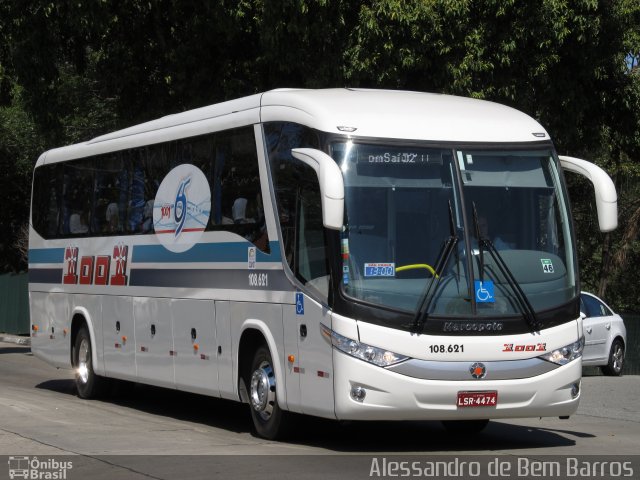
34	468
181	208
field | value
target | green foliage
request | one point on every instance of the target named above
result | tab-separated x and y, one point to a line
73	70
19	144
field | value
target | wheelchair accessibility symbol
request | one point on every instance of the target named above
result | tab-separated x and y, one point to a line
299	303
484	291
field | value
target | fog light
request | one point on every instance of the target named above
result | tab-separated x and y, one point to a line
358	394
575	390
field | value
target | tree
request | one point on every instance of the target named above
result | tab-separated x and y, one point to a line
19	144
86	67
566	64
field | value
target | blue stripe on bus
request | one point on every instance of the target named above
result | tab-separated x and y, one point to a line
46	255
204	252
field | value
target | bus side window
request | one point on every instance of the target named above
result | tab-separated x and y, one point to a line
110	195
299	206
236	202
47	197
300	214
310	249
136	190
76	197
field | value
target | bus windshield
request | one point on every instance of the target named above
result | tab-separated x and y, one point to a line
505	210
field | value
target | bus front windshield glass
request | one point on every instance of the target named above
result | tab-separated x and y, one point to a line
454	232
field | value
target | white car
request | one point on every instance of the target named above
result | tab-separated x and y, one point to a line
605	335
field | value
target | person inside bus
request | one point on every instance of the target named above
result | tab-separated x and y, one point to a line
78	223
112	218
239	211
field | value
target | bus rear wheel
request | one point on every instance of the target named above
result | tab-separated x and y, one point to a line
88	384
269	420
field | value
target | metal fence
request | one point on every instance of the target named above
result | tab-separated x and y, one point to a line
14	303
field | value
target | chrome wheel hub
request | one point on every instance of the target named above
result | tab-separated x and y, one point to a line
263	390
618	358
83	361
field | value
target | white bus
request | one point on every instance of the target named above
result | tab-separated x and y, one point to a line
343	253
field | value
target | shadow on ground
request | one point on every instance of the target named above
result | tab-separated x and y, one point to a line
347	437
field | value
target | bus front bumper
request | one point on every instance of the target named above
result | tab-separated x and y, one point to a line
366	392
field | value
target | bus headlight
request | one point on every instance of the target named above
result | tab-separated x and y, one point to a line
565	354
375	355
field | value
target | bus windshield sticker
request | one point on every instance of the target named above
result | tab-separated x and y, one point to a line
181	208
252	258
547	265
484	291
379	269
299	303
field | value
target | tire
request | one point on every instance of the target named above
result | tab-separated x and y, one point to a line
616	359
88	384
464	426
269	420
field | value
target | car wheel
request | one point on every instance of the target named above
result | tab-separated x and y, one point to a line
269	420
88	384
616	359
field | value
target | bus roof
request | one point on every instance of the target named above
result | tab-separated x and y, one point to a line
359	112
404	115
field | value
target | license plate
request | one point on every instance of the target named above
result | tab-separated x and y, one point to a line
477	399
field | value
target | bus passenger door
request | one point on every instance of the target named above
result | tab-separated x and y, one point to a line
194	333
292	372
314	356
311	268
305	250
118	337
154	341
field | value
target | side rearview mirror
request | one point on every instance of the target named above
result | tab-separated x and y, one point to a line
331	184
605	190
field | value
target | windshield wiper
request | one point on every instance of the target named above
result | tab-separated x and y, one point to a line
443	259
480	238
526	309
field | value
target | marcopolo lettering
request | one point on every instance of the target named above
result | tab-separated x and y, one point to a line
472	326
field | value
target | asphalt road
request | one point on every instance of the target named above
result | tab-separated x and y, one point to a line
40	415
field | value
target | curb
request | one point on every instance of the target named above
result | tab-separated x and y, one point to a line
8	338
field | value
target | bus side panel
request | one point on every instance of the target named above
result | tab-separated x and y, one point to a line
154	341
119	337
50	313
226	379
194	336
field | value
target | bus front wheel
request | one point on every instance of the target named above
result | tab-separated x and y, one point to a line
88	384
269	420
